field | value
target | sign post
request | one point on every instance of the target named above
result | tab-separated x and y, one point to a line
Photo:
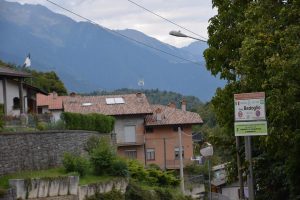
250	120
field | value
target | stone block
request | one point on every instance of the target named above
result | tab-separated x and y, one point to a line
43	188
34	188
63	186
54	187
73	184
82	192
19	186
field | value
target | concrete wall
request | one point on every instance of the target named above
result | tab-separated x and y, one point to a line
63	188
39	150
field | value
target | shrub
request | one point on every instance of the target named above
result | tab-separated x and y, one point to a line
119	168
135	191
91	122
74	163
41	126
112	195
92	143
102	157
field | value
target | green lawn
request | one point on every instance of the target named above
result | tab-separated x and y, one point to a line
51	173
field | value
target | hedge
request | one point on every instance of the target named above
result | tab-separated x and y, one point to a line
91	122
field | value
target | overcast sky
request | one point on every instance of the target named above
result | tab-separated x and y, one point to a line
122	14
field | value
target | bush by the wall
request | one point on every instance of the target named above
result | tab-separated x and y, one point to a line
112	195
102	156
119	168
74	163
91	122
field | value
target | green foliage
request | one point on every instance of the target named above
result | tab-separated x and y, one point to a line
41	126
102	157
47	81
255	51
151	176
119	168
112	195
74	163
91	122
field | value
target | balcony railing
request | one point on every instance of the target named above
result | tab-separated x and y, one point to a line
137	140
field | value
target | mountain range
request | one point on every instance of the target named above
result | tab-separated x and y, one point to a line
89	57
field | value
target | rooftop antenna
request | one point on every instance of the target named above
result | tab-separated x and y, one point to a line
141	83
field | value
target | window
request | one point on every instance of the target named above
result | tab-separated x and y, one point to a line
16	102
149	129
131	154
129	134
176	151
175	128
150	154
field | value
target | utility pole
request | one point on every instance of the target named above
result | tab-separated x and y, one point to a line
238	160
181	161
248	154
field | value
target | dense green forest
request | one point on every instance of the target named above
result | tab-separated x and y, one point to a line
254	45
46	81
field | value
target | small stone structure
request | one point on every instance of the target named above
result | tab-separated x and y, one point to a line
39	150
62	188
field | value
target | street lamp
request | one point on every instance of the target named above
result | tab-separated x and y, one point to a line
179	34
208	152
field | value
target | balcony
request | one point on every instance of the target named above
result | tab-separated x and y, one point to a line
133	140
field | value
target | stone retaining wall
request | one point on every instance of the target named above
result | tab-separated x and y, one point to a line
63	188
39	150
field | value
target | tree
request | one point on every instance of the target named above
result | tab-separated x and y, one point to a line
257	50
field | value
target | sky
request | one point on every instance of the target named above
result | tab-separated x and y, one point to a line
193	15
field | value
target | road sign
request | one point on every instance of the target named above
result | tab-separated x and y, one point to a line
249	106
250	128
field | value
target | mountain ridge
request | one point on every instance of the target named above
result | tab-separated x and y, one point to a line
89	57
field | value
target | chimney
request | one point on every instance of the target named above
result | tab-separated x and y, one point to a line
158	114
172	105
72	94
139	94
183	105
54	95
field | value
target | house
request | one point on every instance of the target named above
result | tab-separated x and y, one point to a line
162	137
51	103
129	111
142	131
17	96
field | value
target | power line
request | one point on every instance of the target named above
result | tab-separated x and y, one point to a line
166	19
118	33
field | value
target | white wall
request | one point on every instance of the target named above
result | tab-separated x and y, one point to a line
231	192
12	91
56	114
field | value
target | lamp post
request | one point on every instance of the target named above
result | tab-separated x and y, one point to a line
179	34
208	152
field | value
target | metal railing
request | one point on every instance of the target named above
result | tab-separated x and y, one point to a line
120	140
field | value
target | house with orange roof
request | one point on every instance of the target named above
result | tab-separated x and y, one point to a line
51	103
142	131
162	137
129	111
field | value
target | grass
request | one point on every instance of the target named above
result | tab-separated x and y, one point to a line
52	173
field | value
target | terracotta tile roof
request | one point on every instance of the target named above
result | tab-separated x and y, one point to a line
171	116
6	71
133	104
53	101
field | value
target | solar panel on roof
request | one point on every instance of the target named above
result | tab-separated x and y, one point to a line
110	101
119	100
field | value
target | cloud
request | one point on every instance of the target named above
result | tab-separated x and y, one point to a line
121	14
